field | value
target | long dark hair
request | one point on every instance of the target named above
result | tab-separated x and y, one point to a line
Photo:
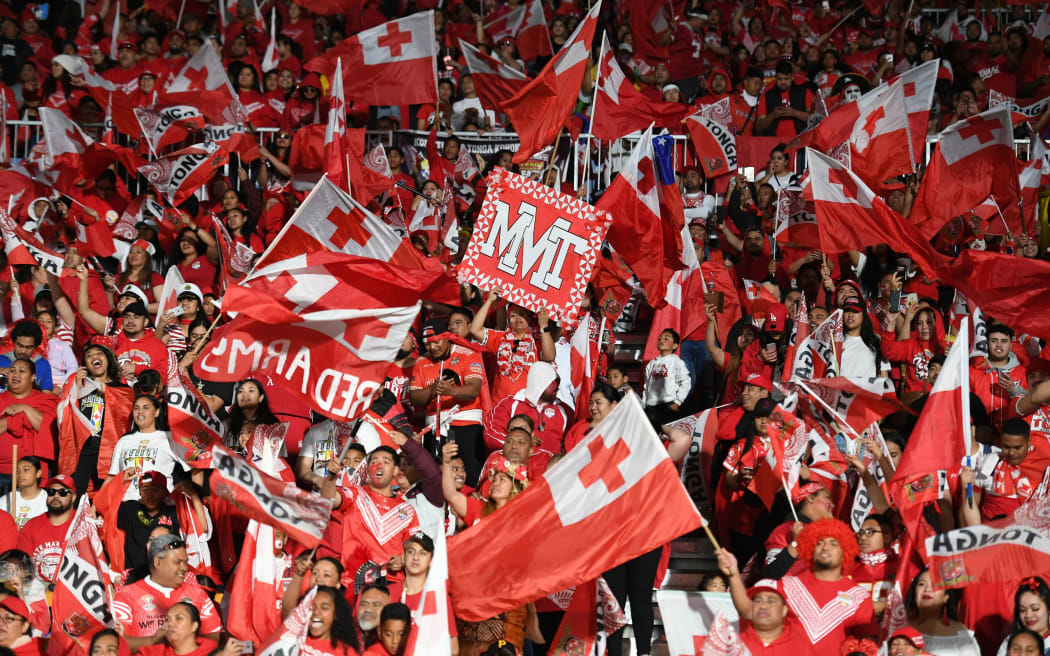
112	368
951	600
161	423
871	339
262	416
343	623
1036	586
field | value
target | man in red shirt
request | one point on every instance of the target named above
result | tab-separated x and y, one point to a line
125	75
784	109
138	348
687	47
42	536
447	381
769	632
142	606
999	378
997	72
824	599
1005	482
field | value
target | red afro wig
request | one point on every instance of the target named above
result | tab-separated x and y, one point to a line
828	528
864	646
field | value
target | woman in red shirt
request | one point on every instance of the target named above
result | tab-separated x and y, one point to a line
15	628
181	629
192	256
256	105
516	349
603	399
507	480
332	624
242	230
27	416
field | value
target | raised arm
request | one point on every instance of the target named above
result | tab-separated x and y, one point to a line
477	326
457	501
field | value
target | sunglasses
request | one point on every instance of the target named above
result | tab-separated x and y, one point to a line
64	492
175	544
284	136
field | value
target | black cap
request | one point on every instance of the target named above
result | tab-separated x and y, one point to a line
434	327
136	307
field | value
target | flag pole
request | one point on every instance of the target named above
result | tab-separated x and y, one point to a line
554	157
594	101
787	492
816	397
182	8
14	470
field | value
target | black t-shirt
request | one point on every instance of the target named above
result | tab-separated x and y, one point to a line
136	523
93	407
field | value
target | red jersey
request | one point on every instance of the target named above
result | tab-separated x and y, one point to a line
141	607
984	382
792	642
466	365
322	647
551	420
200	272
43	542
375	527
125	79
826	609
514	356
146	352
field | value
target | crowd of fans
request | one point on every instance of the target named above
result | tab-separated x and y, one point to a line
90	339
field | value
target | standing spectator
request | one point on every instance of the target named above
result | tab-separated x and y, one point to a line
769	631
784	108
43	536
516	349
147	448
27	336
30	499
667	381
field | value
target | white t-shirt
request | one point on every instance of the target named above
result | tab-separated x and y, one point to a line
858	361
459	113
25	509
146	451
325	442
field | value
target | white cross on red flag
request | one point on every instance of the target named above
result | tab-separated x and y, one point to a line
620	467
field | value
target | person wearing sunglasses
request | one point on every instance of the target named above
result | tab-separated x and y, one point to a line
142	607
42	536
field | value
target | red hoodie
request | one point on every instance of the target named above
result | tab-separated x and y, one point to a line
914	353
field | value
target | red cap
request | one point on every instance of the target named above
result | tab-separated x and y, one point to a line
758	380
156	478
31	12
16	606
911	635
764	585
127	43
776	317
62	479
809	488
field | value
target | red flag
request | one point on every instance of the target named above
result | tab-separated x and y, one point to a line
817	353
204	72
799	333
66	144
714	143
430	620
757	298
257	587
391	64
290	637
1003	286
651	23
578	629
1001	551
164	126
300	514
336	157
850	215
974	159
539	110
495	81
858	402
329	219
788	440
107	502
584	360
531	36
580	505
178	175
365	182
941	437
621	109
234	139
307	157
82	598
193	426
611	284
637	198
235	257
919	84
796	219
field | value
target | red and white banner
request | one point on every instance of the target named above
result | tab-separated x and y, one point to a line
290	637
796	222
687	618
494	80
178	175
233	138
203	81
82	600
998	552
579	504
390	64
302	515
193	427
236	257
858	402
535	243
919	84
757	297
715	144
818	354
164	126
257	587
1032	111
620	109
696	467
22	248
578	630
430	634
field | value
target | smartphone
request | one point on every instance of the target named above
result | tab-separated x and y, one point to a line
895	300
827	6
177	311
718	299
749	173
889	58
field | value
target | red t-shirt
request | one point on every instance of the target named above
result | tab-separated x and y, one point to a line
200	272
204	647
792	642
826	609
146	352
375	527
142	606
514	356
323	647
412	601
467	365
43	542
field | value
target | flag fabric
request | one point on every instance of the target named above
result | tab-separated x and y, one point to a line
799	333
430	634
858	402
178	175
336	158
637	197
723	639
919	83
365	182
390	64
495	81
234	139
715	145
536	243
66	145
193	427
974	159
540	108
271	59
696	466
302	515
204	72
330	220
580	503
652	21
941	437
290	637
257	587
82	598
1001	551
788	438
506	25
1003	286
531	35
850	216
621	109
236	257
757	298
169	295
584	358
688	616
796	219
164	126
817	355
578	630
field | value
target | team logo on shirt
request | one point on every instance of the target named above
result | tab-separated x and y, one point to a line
148	603
402	514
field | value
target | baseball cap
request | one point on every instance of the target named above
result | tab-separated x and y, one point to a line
189	289
911	635
764	585
154	478
62	479
135	292
144	245
758	380
127	43
16	606
434	327
806	490
854	305
136	307
776	317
